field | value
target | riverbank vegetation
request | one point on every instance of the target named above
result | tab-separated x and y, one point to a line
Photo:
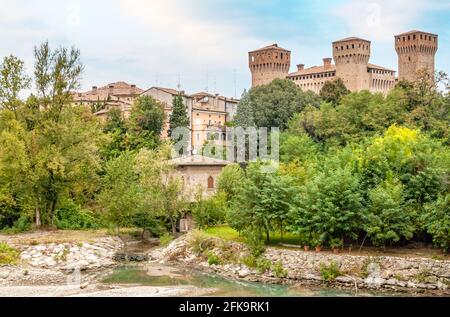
356	168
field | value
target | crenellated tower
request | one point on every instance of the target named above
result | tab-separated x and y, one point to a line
351	56
269	63
416	52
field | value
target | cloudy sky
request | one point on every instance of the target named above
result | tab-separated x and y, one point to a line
203	44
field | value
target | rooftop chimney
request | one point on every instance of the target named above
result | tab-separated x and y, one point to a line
327	62
300	67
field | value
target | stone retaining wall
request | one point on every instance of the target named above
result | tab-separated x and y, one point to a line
419	275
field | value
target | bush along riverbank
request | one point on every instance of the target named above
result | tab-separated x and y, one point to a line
283	266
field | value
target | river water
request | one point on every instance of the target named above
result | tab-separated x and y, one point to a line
144	276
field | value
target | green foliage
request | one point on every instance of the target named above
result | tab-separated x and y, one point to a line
73	217
279	271
23	224
120	197
273	105
263	265
334	91
263	201
329	205
179	117
166	239
213	259
255	243
436	221
388	219
297	147
330	272
210	212
13	79
146	123
230	180
8	255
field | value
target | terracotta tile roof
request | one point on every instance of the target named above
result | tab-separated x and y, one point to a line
198	160
114	89
270	47
201	95
169	91
415	32
351	39
380	67
314	70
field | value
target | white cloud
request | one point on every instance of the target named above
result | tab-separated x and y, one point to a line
382	19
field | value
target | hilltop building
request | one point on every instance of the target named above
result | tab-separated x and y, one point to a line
208	113
119	95
416	51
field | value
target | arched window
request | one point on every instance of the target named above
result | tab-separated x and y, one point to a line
211	182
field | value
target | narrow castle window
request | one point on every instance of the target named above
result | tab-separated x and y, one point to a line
210	182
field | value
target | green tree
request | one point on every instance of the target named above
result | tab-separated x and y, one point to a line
146	123
230	180
296	147
244	116
164	190
211	211
329	205
117	128
388	219
436	221
273	105
13	80
179	117
121	195
61	141
333	91
262	202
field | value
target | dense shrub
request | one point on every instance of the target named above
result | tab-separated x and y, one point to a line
210	212
73	217
436	220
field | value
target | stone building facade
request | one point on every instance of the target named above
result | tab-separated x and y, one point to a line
416	51
208	114
198	174
119	95
269	63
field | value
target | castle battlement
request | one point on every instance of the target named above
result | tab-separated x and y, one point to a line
416	51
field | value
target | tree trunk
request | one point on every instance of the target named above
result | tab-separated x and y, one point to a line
174	227
38	217
268	236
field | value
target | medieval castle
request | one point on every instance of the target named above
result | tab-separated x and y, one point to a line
416	51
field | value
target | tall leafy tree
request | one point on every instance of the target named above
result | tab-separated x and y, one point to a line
179	117
61	141
146	123
389	219
273	105
334	91
13	80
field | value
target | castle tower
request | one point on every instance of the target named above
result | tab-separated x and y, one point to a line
269	63
416	52
351	56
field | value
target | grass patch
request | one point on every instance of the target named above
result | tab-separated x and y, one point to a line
229	234
8	255
166	239
225	233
